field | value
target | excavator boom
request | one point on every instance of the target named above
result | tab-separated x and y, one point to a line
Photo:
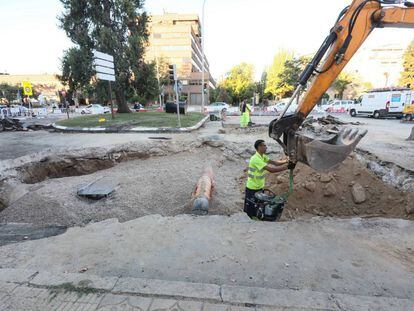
354	25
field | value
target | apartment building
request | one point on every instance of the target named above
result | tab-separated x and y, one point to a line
176	39
380	64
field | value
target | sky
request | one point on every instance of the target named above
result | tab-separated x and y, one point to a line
235	31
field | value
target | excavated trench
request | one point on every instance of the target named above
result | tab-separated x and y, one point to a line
55	167
50	186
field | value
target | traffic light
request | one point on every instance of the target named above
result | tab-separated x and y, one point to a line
205	88
172	73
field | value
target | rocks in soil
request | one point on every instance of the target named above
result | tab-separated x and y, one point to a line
280	180
325	178
213	140
358	193
409	208
310	186
329	190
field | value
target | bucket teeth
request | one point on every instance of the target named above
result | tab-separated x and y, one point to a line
326	155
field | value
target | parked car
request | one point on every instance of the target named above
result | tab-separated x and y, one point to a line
95	109
387	102
340	106
216	107
279	107
171	107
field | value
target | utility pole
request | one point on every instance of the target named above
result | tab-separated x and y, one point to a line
202	61
154	51
172	75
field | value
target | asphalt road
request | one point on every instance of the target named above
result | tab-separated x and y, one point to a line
386	139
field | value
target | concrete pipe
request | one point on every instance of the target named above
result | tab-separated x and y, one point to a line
203	193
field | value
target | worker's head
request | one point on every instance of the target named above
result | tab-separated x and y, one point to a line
260	146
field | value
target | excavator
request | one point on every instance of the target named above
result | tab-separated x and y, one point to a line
354	24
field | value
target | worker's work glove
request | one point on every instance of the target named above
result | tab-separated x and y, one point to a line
291	165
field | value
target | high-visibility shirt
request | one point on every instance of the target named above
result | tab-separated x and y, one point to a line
245	108
256	173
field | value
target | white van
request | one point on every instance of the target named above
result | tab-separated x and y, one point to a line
381	103
340	106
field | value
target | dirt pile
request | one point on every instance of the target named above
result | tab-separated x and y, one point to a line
349	191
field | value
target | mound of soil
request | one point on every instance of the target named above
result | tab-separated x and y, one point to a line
331	194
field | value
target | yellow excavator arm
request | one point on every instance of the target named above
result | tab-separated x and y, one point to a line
353	26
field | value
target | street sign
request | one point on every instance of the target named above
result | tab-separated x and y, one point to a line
104	66
103	56
103	63
106	70
106	77
27	88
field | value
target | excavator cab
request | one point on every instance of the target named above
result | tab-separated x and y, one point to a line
326	151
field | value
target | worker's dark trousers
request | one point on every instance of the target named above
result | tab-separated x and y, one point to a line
249	208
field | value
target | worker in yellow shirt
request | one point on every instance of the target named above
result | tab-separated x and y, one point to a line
245	110
259	165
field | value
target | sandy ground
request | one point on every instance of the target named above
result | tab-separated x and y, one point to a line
154	237
141	190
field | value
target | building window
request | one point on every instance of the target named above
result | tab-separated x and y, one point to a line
157	35
175	48
195	82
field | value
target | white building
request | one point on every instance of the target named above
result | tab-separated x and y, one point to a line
381	64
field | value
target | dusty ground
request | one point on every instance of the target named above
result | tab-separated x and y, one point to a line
141	191
162	176
167	190
357	256
370	257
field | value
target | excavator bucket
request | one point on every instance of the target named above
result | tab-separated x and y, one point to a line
326	152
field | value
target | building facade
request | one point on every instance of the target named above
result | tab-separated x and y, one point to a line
177	39
381	65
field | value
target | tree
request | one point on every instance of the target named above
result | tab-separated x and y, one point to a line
116	27
76	71
357	87
407	76
341	83
275	70
261	87
289	76
239	82
220	94
9	92
146	83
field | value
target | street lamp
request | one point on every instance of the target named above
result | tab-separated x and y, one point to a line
202	61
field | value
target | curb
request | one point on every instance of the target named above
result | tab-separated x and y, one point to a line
222	294
131	130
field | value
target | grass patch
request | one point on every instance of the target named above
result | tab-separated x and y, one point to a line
144	119
80	290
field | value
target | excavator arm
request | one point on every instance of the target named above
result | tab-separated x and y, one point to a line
354	25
